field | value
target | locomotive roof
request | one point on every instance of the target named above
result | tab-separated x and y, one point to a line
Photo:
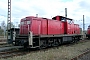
34	17
89	26
45	18
64	17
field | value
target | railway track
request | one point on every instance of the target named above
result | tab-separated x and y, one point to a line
81	55
5	45
7	54
84	53
3	41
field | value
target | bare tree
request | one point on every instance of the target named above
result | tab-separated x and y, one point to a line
0	27
3	25
19	25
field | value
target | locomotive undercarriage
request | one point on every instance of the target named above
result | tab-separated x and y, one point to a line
88	36
43	41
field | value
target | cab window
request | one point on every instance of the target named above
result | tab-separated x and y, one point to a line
28	22
69	21
21	23
62	19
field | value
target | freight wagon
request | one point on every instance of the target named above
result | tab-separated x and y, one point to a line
36	32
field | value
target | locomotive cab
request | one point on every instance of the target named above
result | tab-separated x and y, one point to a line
25	26
22	38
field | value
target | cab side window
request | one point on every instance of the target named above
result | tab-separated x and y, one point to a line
63	19
21	23
28	22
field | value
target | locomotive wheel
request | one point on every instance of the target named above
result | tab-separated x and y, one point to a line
42	44
59	41
55	42
16	43
26	44
75	40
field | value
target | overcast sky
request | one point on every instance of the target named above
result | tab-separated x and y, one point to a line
46	8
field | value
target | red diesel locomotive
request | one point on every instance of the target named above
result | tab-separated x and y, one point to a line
88	32
36	32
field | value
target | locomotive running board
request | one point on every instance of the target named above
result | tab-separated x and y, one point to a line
63	35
